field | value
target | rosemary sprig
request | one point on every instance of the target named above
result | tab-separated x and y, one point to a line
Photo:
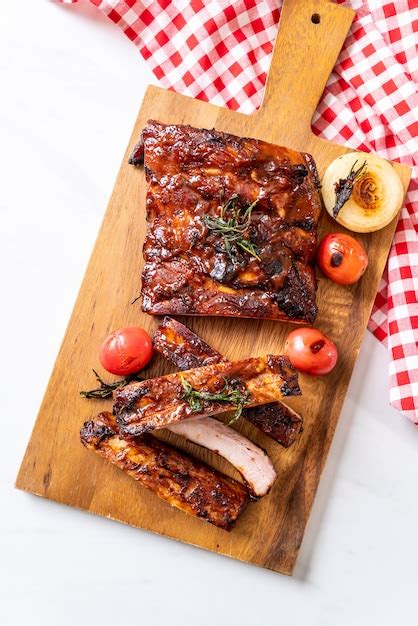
234	227
344	187
230	393
106	389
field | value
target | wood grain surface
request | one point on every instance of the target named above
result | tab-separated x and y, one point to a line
57	466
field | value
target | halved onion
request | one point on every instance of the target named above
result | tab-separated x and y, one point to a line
376	197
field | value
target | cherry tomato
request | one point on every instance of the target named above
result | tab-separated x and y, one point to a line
311	351
126	351
342	258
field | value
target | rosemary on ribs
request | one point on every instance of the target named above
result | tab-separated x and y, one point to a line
231	225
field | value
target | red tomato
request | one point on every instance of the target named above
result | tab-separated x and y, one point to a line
342	258
311	351
126	351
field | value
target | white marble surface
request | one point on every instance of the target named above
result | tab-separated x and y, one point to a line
70	91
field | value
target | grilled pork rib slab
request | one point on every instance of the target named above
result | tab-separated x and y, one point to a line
197	177
159	402
174	476
182	347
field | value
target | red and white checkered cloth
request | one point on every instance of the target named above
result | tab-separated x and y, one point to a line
220	51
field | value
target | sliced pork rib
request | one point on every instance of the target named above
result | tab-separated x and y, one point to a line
251	461
276	420
160	402
185	349
177	478
182	347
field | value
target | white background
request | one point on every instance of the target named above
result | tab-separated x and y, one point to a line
70	88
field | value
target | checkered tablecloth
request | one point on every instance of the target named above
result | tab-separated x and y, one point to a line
220	51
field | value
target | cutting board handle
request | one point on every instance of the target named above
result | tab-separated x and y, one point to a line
312	32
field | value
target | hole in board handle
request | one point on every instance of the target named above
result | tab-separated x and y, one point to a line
316	18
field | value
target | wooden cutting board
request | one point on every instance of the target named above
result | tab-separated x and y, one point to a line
57	466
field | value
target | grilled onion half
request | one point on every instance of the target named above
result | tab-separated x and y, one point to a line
376	196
